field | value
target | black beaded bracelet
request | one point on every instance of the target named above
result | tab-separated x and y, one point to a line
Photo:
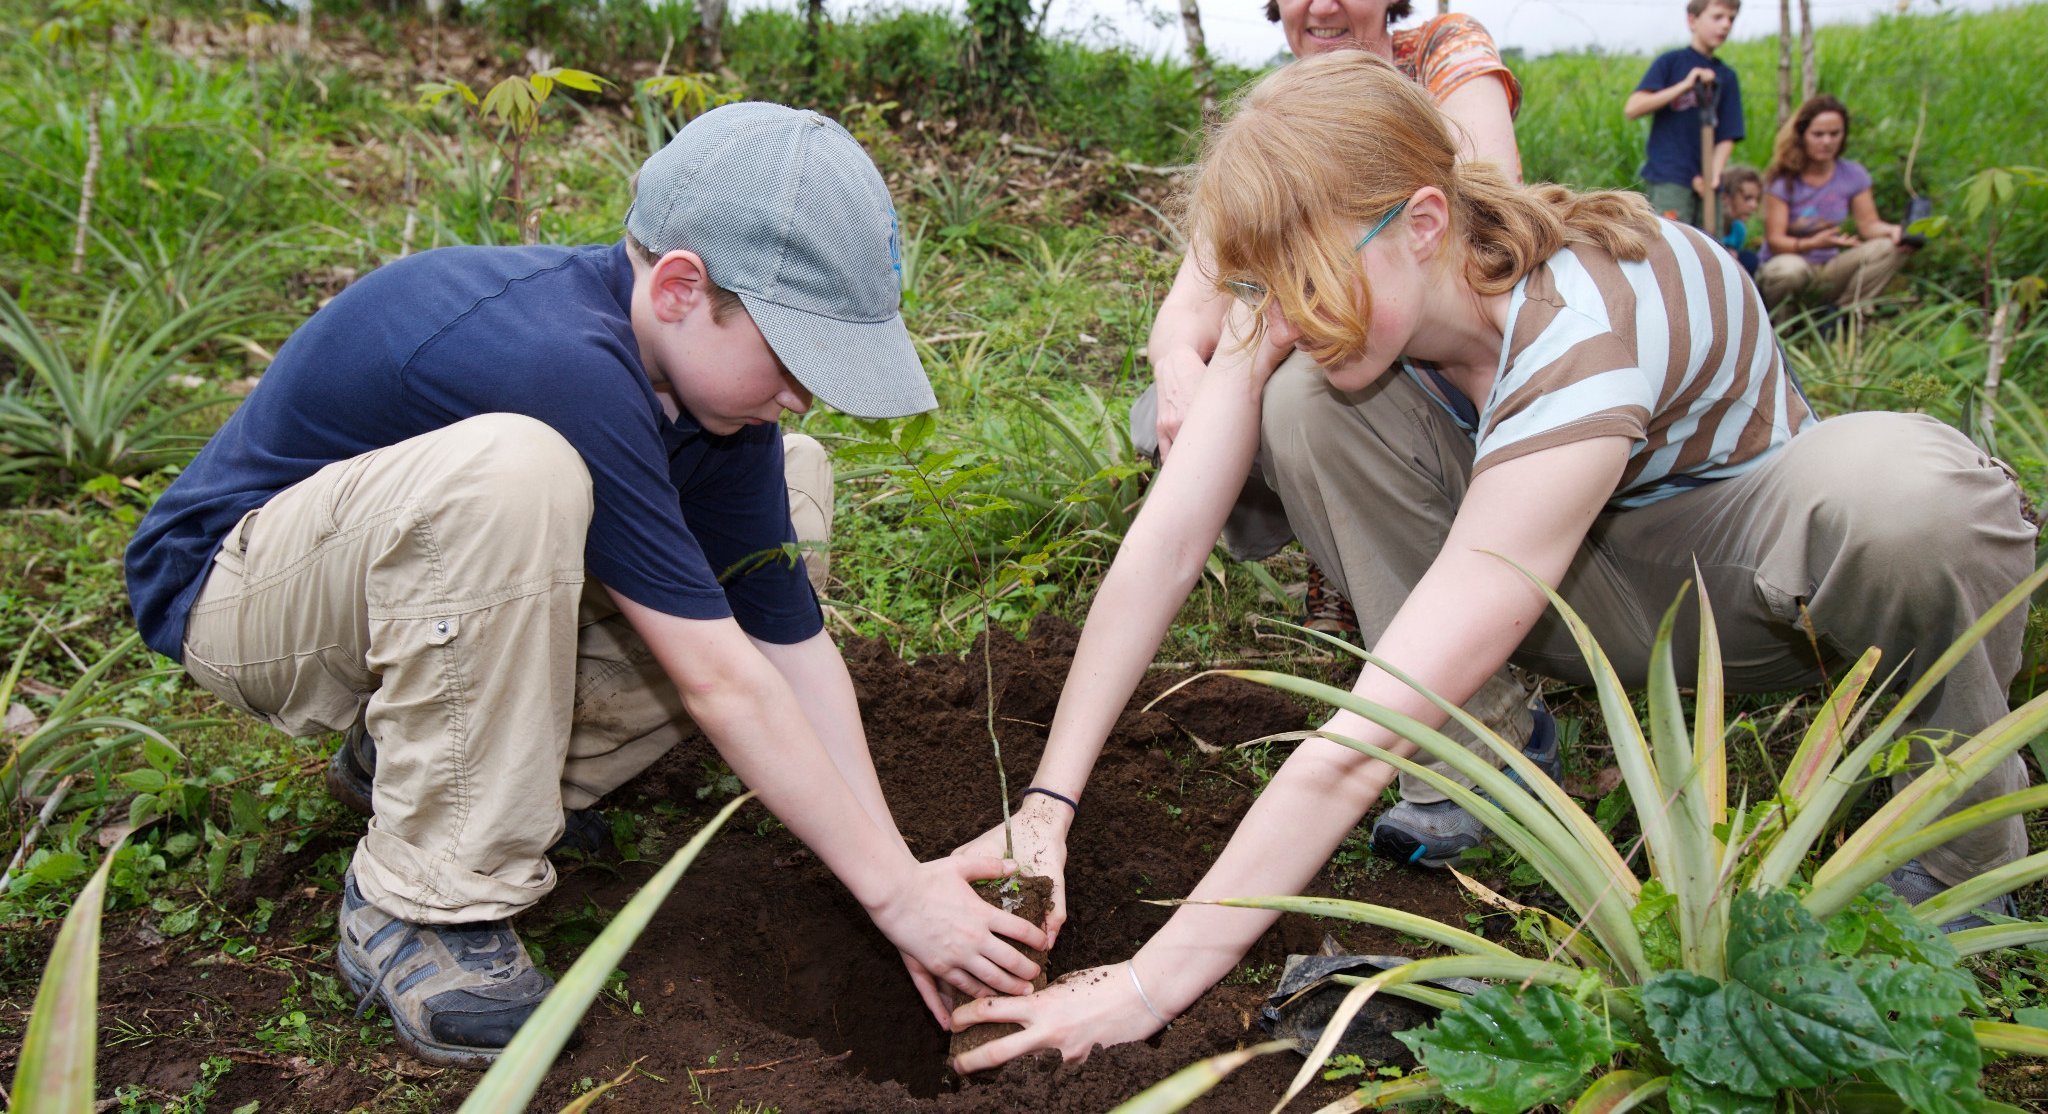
1061	798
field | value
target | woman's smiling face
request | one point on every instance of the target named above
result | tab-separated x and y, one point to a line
1321	26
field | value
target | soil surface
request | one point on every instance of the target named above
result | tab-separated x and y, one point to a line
761	983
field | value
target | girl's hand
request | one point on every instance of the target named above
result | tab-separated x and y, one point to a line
1275	343
1038	830
1082	1011
1176	380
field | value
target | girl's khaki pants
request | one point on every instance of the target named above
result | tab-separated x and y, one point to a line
435	588
1870	529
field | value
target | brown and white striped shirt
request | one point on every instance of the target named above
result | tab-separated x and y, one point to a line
1673	352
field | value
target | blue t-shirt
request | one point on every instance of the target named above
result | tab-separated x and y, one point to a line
452	333
1674	151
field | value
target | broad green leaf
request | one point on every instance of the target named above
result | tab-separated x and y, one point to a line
1789	1015
1509	1050
1176	1091
55	1071
1923	1008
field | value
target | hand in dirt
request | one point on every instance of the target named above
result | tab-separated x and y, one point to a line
1038	830
937	920
1081	1012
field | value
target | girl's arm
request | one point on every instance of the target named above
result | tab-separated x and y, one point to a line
1155	568
1777	215
1455	630
1184	337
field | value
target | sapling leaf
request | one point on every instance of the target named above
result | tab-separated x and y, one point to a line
1507	1050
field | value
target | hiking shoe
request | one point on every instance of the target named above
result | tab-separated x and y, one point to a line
353	771
456	993
1434	835
1914	885
1328	610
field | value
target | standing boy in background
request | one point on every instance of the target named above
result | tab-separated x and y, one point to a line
1673	88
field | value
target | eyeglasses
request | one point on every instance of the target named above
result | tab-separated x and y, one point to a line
1254	293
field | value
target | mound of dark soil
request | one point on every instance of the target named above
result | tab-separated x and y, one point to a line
761	981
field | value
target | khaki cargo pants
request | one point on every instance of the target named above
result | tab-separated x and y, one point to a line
435	588
1854	275
1886	530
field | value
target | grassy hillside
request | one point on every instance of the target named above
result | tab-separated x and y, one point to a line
1977	74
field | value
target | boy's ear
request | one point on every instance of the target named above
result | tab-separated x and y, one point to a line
677	284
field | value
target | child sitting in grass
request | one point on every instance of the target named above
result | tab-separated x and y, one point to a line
1742	191
1454	373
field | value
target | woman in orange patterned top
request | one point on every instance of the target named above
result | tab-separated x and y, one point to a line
1452	57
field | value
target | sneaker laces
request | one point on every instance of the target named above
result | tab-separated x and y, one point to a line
487	948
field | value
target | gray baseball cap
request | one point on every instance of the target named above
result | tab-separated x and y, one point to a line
789	213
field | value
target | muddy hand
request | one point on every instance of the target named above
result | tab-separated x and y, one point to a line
1038	830
935	917
1078	1014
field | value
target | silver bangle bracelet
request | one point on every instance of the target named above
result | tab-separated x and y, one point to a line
1132	967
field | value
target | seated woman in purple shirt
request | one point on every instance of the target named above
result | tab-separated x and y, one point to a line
1809	191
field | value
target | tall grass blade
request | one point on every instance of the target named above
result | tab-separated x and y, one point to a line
55	1072
1419	1087
1991	938
2001	1036
1360	912
1176	1091
510	1083
1948	778
1804	830
1957	900
1839	880
1620	1091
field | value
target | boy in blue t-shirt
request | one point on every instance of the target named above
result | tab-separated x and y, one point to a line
1673	88
510	517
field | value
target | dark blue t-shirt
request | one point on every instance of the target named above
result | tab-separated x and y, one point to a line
1674	151
449	334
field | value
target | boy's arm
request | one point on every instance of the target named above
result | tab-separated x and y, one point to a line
814	669
746	707
1642	102
1722	150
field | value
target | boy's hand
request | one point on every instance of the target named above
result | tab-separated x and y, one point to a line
1081	1012
1039	831
1699	74
939	923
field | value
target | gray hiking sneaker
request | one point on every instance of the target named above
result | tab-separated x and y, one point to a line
1914	885
456	993
1434	835
351	778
